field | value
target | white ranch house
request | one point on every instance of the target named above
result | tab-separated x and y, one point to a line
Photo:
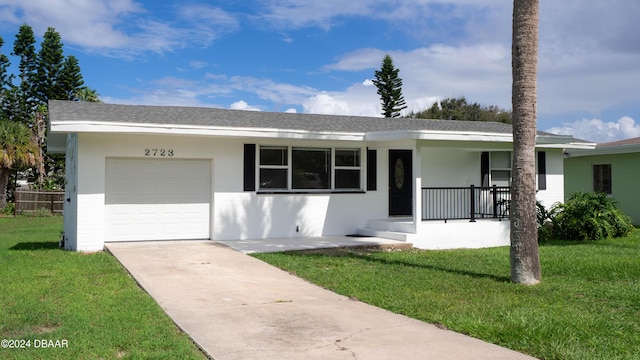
137	173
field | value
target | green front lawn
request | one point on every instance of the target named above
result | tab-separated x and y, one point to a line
587	306
87	301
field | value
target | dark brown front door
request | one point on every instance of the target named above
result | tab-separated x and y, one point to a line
400	183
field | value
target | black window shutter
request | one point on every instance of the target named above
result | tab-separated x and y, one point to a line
484	168
542	170
372	170
249	167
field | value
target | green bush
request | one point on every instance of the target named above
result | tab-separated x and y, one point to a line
546	221
590	216
8	209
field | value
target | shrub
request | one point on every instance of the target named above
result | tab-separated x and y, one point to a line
590	216
8	209
41	212
546	221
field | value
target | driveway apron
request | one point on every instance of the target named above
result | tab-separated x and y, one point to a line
236	307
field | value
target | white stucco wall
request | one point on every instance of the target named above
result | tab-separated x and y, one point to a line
555	178
462	234
450	167
70	205
235	214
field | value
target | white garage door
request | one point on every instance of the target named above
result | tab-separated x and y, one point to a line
149	199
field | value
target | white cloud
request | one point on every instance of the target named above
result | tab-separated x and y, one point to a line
121	27
358	99
600	131
480	72
243	105
196	64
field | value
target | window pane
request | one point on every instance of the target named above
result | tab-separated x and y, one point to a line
347	179
602	178
273	156
347	157
273	178
311	168
501	177
501	160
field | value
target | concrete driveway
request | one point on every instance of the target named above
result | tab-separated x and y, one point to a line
236	307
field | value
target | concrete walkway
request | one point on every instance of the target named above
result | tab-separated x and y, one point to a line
236	307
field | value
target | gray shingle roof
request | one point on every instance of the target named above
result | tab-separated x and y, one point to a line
632	141
213	117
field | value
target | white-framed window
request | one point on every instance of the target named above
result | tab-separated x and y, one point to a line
274	167
347	169
500	165
309	168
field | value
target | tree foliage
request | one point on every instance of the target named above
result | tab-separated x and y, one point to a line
389	86
589	216
460	109
24	99
43	75
16	149
50	83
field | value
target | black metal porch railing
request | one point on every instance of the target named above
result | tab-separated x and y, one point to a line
455	203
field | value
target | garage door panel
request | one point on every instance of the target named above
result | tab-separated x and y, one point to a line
148	199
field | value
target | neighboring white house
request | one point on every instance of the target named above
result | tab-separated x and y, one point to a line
138	173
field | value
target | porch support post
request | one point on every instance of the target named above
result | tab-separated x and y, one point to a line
494	199
472	194
417	194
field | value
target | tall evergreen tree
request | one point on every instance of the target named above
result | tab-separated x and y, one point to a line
50	65
71	78
5	80
25	101
525	258
5	77
389	87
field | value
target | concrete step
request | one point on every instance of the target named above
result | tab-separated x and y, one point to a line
393	235
393	225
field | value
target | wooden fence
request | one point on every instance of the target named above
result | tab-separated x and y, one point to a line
32	200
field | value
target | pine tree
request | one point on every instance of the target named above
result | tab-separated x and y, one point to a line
24	101
5	81
389	88
50	64
71	78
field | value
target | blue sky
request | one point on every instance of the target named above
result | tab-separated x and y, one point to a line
319	56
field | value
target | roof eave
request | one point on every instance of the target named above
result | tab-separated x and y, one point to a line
212	131
606	150
436	135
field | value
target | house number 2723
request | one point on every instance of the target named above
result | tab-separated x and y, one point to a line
158	152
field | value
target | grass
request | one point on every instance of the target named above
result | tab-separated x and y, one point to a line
587	306
89	300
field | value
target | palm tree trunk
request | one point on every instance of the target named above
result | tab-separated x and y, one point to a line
525	259
4	182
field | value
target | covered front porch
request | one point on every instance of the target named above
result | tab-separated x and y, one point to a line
451	217
460	194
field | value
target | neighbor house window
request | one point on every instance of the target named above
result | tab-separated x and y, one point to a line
309	168
602	178
501	168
